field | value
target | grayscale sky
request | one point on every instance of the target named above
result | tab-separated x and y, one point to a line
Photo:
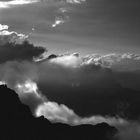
91	26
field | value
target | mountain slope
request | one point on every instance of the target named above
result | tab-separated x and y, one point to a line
17	123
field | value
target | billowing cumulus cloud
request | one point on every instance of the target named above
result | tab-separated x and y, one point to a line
55	112
15	46
117	62
3	27
10	36
70	60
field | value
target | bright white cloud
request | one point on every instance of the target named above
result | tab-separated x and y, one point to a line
68	60
75	1
55	112
108	61
3	27
58	21
7	4
2	83
27	87
61	113
10	36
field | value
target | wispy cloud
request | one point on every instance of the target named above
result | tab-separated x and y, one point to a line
61	15
8	4
58	21
75	1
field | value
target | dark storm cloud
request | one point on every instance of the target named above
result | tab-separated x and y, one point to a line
24	51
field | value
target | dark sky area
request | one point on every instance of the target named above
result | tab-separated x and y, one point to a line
94	26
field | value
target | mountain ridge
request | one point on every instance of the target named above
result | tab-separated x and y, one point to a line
17	123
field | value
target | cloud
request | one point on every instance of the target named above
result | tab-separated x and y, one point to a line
3	27
52	110
70	60
61	113
62	12
127	130
115	61
10	3
75	1
10	36
14	72
24	51
27	87
55	112
2	83
64	1
77	82
60	20
15	46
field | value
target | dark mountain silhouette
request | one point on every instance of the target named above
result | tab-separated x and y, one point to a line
17	123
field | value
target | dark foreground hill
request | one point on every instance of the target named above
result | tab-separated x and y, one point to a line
17	123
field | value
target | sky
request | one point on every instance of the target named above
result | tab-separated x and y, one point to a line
97	81
91	26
